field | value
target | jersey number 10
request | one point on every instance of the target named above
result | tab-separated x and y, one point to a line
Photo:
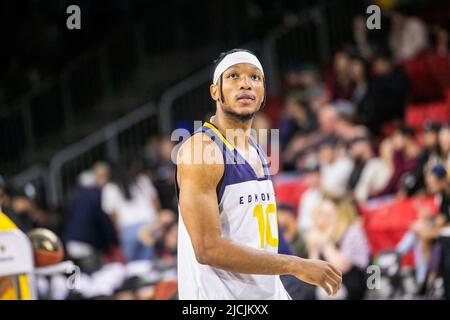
265	231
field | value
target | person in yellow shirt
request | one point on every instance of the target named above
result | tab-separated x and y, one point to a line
7	289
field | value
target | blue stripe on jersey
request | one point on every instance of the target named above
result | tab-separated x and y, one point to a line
236	168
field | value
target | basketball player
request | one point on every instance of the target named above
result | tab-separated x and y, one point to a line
7	288
228	233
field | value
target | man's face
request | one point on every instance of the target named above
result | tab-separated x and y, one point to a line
243	91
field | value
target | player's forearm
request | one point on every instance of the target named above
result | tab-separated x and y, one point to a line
234	257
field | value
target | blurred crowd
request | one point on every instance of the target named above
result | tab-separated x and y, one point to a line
342	130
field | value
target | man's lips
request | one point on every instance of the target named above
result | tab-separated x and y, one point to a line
246	98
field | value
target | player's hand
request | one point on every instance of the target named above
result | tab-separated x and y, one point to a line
320	273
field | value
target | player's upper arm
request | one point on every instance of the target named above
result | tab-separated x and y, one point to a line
197	179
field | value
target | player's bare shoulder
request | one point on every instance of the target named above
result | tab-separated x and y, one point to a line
200	159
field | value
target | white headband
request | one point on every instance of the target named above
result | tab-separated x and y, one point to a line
233	59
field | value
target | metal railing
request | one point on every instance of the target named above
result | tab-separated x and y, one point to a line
122	138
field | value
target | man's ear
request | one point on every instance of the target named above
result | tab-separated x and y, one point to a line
214	91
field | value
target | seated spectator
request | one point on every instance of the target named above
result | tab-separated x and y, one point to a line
358	70
386	95
370	174
412	240
132	203
444	147
429	72
430	150
408	35
298	117
346	126
287	219
301	145
312	197
438	184
165	175
401	152
338	80
338	237
335	167
88	232
162	236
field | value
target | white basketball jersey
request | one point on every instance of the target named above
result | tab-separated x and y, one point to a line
248	217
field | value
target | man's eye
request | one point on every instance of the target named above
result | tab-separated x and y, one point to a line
256	77
232	76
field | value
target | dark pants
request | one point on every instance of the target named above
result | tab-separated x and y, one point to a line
445	265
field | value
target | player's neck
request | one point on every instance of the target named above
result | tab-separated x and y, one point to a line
234	131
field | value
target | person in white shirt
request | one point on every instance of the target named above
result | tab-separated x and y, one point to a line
336	167
132	205
311	198
370	174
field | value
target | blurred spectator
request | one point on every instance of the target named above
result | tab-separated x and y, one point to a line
338	81
346	127
444	147
370	174
412	240
338	237
301	145
358	70
430	150
387	93
162	235
21	207
262	125
131	201
408	35
88	232
165	175
438	184
287	219
429	72
401	153
312	197
336	167
298	117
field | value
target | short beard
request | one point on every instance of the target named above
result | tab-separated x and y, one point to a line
241	118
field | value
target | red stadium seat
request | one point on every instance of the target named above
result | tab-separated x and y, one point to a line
290	192
385	225
416	115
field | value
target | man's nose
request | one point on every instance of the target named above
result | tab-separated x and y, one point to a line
246	83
